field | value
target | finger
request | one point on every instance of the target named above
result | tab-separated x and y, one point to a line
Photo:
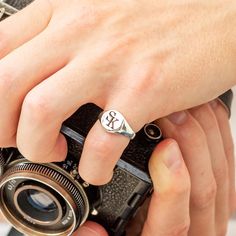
17	29
206	118
102	150
90	229
192	141
48	105
169	208
225	129
16	79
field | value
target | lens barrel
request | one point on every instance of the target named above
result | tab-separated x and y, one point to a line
41	204
42	199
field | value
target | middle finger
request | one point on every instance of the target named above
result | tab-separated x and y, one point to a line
19	72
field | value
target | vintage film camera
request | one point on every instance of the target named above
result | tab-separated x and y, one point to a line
52	199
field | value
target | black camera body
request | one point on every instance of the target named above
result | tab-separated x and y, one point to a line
52	199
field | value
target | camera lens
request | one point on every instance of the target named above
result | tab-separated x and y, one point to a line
39	204
42	199
39	200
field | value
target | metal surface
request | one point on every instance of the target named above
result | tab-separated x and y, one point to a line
6	9
114	122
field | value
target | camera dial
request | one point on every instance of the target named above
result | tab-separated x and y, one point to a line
152	132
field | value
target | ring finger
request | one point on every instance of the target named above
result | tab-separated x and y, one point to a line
225	129
207	119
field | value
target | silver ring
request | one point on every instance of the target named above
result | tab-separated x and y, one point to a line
114	122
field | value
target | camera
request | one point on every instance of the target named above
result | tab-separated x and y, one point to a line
52	199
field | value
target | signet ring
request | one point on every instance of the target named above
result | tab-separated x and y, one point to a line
114	122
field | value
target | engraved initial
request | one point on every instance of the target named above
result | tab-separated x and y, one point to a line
111	118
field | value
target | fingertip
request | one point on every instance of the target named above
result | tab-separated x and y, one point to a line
100	177
90	228
168	153
167	168
58	153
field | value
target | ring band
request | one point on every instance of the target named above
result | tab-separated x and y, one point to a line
114	122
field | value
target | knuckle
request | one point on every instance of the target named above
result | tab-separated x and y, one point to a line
3	41
178	189
6	80
204	112
100	146
181	189
192	133
181	230
204	200
221	173
229	149
38	108
88	16
146	79
177	230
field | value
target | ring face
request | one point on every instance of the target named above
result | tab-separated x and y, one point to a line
114	122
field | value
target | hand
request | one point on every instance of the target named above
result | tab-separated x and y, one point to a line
204	136
57	56
196	188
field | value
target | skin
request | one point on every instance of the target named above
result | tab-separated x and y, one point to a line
193	180
172	54
188	193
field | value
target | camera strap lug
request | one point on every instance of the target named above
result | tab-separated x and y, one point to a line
6	9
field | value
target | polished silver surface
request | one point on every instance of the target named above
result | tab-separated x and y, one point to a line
114	122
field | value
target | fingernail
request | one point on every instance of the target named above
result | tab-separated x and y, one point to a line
173	158
86	231
178	118
214	103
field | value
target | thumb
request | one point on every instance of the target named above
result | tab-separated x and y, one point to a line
90	229
168	212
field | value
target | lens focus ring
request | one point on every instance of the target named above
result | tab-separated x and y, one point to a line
55	178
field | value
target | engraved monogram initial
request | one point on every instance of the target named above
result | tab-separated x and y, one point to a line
111	118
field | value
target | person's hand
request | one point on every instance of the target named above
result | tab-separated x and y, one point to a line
208	163
194	190
57	55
